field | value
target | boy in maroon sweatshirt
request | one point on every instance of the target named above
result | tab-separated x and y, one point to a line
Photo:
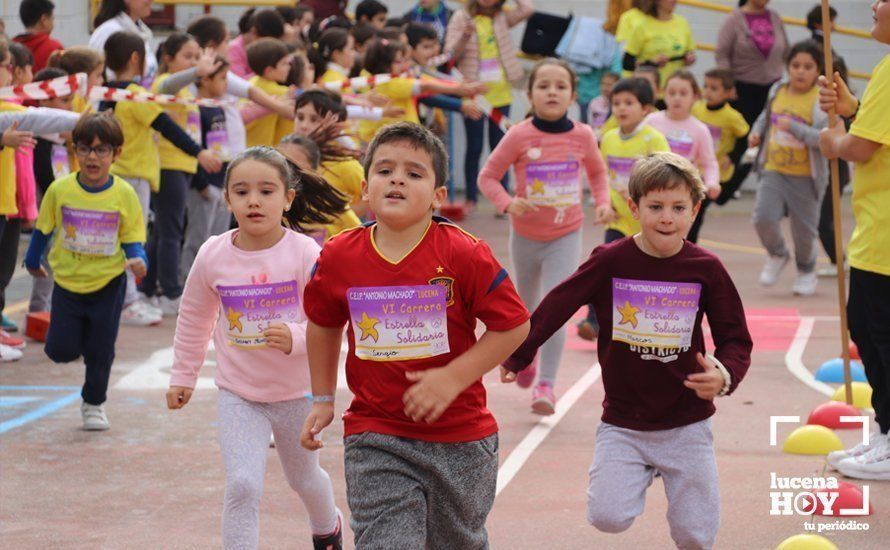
652	289
38	18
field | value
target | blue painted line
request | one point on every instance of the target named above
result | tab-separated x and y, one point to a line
39	412
8	402
39	388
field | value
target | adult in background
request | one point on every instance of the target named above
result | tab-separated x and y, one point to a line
432	12
752	43
126	15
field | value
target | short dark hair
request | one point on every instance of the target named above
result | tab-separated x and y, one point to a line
268	23
324	102
208	29
369	8
814	16
810	47
98	125
49	73
223	66
418	137
650	69
30	11
120	46
638	87
664	170
683	74
418	32
21	55
328	42
287	13
381	54
364	32
725	77
264	53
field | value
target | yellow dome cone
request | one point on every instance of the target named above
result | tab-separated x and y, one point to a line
806	542
861	395
812	440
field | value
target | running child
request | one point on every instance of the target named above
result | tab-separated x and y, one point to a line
549	154
660	389
418	427
246	291
97	227
271	61
793	173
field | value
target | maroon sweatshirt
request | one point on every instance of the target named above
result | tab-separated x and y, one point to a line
650	314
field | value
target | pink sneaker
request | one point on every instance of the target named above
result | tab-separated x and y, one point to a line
525	378
543	400
8	339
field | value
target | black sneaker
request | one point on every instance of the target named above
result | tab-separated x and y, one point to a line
334	541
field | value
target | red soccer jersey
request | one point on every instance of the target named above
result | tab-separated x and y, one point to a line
415	314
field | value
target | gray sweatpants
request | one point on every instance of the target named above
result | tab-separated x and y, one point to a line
407	493
206	217
42	287
537	268
797	197
244	430
143	191
624	465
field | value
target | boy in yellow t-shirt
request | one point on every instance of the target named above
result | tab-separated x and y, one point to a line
97	223
270	60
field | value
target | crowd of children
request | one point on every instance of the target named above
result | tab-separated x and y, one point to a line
242	216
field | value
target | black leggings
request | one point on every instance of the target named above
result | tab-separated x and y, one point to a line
10	230
751	101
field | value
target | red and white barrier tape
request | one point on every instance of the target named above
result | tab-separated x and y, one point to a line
101	93
359	82
496	116
46	89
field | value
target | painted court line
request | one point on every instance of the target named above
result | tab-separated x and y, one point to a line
542	429
39	412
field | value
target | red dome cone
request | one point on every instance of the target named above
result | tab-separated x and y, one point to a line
849	497
829	415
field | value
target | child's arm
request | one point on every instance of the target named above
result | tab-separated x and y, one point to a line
460	28
462	89
323	345
707	162
837	142
524	10
172	132
206	65
497	164
806	133
40	120
36	247
598	180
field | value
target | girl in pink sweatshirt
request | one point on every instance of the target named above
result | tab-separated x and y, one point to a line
688	136
548	153
245	290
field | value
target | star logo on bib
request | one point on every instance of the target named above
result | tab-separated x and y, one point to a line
368	326
234	318
628	314
537	187
70	231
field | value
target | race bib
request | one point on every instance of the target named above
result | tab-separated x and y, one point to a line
89	231
193	126
554	184
218	143
620	169
490	70
59	159
399	323
783	138
654	314
680	142
248	310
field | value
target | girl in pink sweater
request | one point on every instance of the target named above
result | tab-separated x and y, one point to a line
245	290
688	136
548	153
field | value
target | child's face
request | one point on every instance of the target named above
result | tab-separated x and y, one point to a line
551	92
378	21
306	119
628	110
345	57
665	218
95	160
95	78
666	6
47	22
401	187
802	72
215	86
401	63
23	75
606	85
185	58
679	97
279	72
64	102
296	154
425	50
257	197
881	29
714	93
6	68
306	21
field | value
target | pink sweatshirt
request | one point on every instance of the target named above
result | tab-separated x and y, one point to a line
548	172
233	295
238	58
691	139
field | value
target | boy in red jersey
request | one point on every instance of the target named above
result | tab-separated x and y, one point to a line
421	446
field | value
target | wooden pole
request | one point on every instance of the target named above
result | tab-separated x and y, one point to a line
836	207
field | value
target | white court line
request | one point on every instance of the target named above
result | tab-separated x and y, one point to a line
542	429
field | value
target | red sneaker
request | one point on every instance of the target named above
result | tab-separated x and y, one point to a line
9	340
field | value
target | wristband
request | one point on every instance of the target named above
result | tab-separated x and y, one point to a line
727	379
322	398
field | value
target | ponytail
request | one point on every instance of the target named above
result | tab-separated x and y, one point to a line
316	203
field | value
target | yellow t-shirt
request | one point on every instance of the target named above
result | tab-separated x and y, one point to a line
346	220
79	104
620	153
139	157
7	170
400	91
652	37
726	126
627	23
189	119
90	227
345	176
268	130
491	72
785	153
869	248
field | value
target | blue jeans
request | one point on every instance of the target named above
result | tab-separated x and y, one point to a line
164	246
475	133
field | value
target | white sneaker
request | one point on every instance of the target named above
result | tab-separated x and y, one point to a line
9	354
774	266
873	464
835	457
830	271
805	284
169	307
138	314
94	418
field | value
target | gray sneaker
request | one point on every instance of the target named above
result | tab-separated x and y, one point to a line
94	418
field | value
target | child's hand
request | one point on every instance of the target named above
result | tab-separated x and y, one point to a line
391	111
178	397
827	139
207	64
520	206
706	384
753	140
837	95
661	60
278	337
471	110
209	161
783	122
689	58
469	89
434	391
17	140
377	100
319	417
507	377
724	162
137	266
713	191
604	214
38	273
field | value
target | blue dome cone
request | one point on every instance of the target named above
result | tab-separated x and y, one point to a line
832	372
